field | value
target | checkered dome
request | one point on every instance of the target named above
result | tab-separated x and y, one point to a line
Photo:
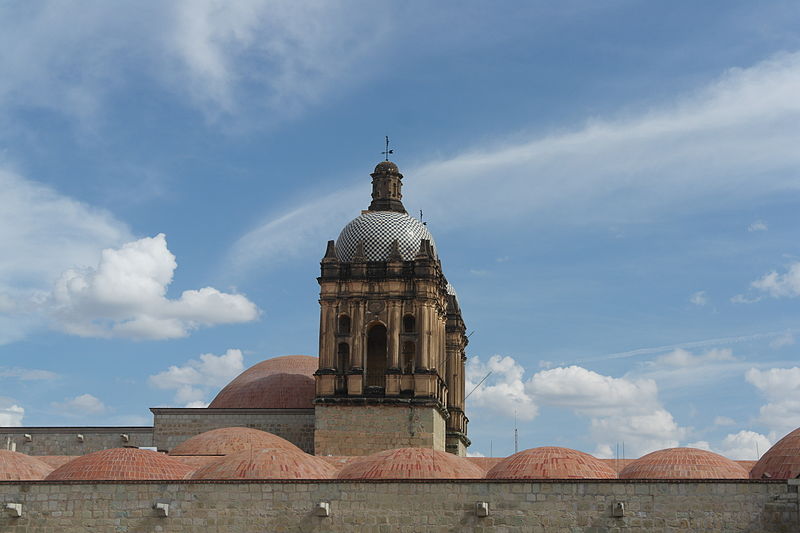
378	229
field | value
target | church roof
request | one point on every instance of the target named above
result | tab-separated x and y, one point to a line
276	391
231	394
15	466
782	461
551	462
378	230
229	440
683	463
266	464
121	464
411	463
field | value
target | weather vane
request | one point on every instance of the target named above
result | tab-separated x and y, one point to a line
387	152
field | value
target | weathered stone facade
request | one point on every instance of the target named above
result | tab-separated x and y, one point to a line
382	507
73	440
366	429
171	426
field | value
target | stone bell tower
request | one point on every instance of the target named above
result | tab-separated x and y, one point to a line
391	337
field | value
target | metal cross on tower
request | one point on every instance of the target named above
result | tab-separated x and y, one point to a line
387	151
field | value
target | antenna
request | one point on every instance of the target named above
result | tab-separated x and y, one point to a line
478	385
387	152
623	450
470	333
516	433
491	452
420	218
758	455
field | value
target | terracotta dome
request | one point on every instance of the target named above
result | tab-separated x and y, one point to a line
15	466
551	462
276	391
411	463
266	464
225	441
484	463
683	463
304	365
121	464
782	461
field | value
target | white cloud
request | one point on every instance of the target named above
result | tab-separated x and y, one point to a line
125	296
787	339
193	381
758	225
49	233
700	445
780	285
725	139
503	393
781	387
474	454
699	298
744	445
11	414
680	368
81	405
621	409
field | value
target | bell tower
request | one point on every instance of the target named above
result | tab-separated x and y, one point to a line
391	338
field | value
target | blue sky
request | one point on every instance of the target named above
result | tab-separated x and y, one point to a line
613	189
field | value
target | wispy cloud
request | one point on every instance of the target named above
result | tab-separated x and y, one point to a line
758	225
222	57
699	298
719	142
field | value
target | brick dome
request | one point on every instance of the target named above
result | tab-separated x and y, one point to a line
225	441
15	466
276	391
121	464
782	461
56	460
233	392
683	463
550	462
411	463
266	464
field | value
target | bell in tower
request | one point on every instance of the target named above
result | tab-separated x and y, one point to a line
391	339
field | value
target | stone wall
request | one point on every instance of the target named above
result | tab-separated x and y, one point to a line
66	440
440	506
171	426
366	429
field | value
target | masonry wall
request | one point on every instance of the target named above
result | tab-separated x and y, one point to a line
366	429
66	440
445	506
172	426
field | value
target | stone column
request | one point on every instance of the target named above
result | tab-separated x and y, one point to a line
394	334
357	330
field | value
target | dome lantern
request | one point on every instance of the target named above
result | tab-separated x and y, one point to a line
387	187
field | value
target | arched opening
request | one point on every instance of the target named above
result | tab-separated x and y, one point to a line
376	355
344	325
407	357
342	366
409	324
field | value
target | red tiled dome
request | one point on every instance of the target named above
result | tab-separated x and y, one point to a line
15	466
782	461
411	463
121	464
339	461
266	464
225	441
550	462
196	461
304	365
276	391
683	463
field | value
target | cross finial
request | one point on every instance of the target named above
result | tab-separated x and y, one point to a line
387	151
